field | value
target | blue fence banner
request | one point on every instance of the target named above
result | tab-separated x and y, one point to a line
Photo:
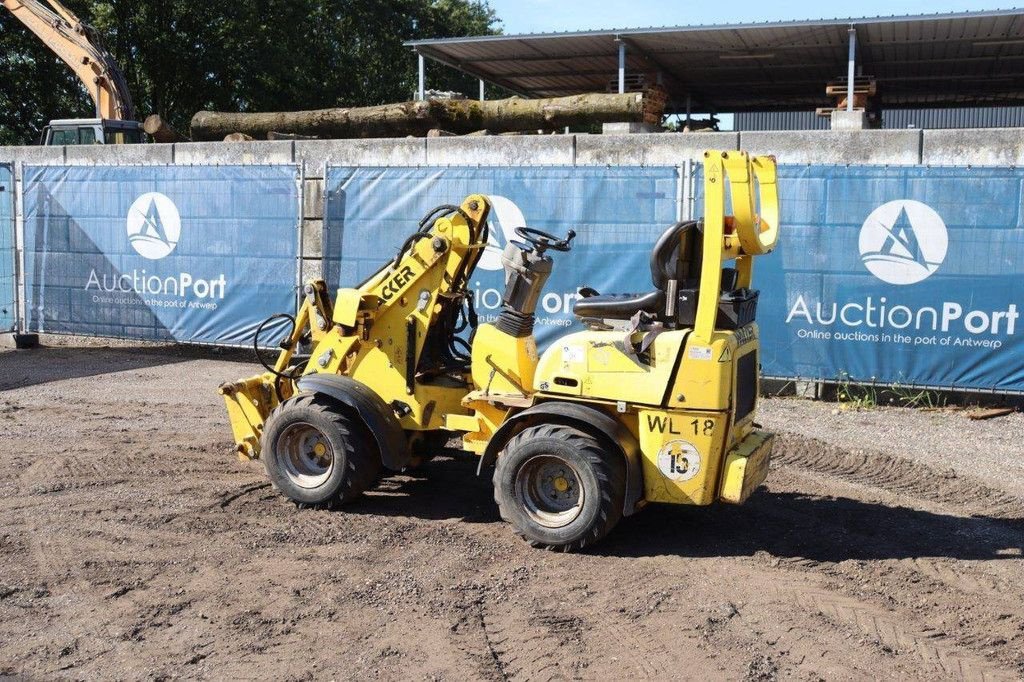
617	213
896	276
198	254
8	285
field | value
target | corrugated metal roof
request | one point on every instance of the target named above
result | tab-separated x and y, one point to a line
960	117
967	58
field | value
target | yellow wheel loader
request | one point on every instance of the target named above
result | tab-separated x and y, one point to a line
653	402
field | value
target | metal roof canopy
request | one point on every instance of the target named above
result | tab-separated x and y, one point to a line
918	61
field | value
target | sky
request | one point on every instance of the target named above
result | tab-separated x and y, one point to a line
534	16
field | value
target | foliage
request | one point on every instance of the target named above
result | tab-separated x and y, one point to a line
908	396
181	56
853	395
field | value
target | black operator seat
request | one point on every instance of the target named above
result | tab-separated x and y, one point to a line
676	256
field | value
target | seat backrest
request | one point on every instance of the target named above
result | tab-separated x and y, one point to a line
677	255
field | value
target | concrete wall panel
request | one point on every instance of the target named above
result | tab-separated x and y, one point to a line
985	147
119	154
312	238
502	150
313	198
228	153
32	156
867	147
385	152
654	149
312	268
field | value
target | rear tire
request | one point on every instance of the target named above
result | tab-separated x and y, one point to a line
318	455
560	488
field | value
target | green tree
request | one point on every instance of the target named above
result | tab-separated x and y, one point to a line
180	56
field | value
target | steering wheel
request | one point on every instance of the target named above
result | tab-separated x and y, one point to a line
543	241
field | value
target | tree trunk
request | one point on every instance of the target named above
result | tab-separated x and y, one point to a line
456	116
161	131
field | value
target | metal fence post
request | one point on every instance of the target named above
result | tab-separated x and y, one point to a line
688	173
299	260
20	285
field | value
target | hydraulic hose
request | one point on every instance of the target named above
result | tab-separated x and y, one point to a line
278	376
256	341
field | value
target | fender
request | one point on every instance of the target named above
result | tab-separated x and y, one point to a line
588	419
375	413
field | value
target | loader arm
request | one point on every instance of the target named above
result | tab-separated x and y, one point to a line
81	48
397	331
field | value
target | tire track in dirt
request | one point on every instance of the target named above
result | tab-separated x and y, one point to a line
896	474
646	654
525	639
541	645
978	555
967	579
995	528
892	634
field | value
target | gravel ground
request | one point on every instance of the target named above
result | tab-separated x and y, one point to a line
133	544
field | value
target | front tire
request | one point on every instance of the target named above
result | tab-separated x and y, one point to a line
318	455
560	488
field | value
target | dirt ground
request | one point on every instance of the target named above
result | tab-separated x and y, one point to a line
134	545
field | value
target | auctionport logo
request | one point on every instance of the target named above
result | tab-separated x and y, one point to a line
903	242
154	226
504	219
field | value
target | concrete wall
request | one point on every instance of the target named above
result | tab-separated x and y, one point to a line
985	147
853	147
994	146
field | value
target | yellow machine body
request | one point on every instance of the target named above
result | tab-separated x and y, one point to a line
677	401
682	399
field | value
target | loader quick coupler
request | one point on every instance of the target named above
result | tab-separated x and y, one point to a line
653	400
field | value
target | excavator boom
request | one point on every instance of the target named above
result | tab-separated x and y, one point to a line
80	47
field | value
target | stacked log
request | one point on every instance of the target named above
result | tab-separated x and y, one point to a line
160	130
455	116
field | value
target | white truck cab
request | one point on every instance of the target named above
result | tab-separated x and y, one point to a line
92	131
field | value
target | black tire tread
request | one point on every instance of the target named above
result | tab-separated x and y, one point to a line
610	472
361	457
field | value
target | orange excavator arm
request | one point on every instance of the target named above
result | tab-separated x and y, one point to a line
81	47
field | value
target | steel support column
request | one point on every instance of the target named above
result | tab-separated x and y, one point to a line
851	68
622	66
420	90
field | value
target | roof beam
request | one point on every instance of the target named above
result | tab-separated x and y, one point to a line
612	56
838	47
496	80
862	39
802	66
668	74
610	73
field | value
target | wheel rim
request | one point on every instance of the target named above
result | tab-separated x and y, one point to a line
549	491
305	455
